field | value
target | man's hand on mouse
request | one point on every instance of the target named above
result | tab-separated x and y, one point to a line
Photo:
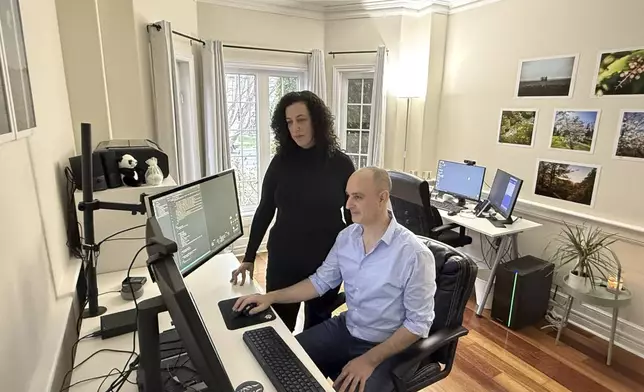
263	302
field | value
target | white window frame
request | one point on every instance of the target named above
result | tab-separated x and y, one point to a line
262	72
11	114
341	76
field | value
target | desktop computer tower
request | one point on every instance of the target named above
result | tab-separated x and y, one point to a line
522	291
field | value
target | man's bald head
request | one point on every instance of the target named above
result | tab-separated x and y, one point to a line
380	177
368	190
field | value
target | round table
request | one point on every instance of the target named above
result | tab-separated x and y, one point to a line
599	296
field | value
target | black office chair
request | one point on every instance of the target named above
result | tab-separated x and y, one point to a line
410	200
455	275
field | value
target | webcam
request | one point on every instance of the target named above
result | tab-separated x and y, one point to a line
470	162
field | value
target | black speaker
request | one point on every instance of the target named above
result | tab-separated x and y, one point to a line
522	291
110	162
98	180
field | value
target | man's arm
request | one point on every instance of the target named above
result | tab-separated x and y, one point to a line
399	341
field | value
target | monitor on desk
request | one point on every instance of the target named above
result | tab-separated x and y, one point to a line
504	194
196	220
460	180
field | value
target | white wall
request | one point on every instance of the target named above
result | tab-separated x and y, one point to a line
484	46
253	28
38	275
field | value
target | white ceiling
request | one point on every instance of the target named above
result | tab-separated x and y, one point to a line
344	9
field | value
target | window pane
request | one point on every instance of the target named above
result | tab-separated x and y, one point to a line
355	90
353	141
353	117
366	117
364	142
232	88
363	161
17	64
368	90
247	88
233	115
247	116
278	86
354	158
4	110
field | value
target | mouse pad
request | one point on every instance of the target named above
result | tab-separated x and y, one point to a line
235	321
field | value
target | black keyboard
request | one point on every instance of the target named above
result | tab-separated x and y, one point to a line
443	205
282	367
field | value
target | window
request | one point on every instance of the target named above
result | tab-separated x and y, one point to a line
16	104
354	119
252	95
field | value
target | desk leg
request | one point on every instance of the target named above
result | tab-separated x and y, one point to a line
564	319
505	242
611	340
515	246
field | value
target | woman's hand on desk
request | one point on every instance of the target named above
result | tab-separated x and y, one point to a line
262	303
243	267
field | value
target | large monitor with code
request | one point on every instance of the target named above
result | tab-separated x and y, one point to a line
460	180
202	217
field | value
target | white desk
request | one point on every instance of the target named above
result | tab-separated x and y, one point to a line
209	284
507	234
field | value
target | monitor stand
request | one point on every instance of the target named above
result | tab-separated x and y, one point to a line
461	202
152	374
500	223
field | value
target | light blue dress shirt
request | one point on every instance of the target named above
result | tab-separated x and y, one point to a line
389	287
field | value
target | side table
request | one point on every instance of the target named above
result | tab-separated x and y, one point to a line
598	296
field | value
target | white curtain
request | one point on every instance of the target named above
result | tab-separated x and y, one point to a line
165	93
215	109
378	108
317	74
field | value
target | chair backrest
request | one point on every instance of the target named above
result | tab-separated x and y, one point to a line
455	275
410	201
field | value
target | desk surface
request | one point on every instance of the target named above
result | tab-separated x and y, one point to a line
208	285
481	225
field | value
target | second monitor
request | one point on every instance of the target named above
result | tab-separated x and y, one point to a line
460	180
503	196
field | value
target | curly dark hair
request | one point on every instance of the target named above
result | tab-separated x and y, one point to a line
321	119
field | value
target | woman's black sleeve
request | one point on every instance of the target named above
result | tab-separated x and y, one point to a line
346	172
264	213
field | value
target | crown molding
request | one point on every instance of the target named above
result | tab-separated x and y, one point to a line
338	10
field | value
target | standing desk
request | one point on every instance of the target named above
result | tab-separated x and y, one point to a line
209	284
507	234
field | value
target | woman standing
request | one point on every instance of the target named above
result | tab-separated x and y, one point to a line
305	182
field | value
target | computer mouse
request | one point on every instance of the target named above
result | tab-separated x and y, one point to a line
245	312
452	213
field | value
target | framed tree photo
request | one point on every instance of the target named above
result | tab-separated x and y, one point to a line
629	143
620	73
517	127
572	182
575	130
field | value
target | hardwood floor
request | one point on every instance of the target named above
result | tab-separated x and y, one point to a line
494	358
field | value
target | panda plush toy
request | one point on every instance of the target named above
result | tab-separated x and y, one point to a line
130	175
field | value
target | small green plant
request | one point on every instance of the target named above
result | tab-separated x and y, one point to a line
588	249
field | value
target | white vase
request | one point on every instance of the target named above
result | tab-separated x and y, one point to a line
579	283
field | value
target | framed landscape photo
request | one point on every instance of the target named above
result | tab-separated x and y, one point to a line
575	130
547	77
629	143
572	182
620	73
517	127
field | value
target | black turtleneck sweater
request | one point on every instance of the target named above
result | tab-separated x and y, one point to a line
307	188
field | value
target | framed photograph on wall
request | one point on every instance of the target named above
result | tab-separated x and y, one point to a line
547	77
629	143
572	182
575	130
517	127
620	73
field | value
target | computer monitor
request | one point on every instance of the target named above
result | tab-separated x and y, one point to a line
504	194
460	180
187	226
202	217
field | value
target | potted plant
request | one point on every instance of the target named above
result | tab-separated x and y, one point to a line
587	249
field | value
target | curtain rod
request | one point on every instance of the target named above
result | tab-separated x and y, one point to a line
265	49
355	52
189	37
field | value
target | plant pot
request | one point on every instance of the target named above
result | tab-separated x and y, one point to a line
579	283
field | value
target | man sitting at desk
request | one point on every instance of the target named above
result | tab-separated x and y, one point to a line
389	279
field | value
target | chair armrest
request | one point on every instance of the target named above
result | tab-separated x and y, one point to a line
424	348
445	227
